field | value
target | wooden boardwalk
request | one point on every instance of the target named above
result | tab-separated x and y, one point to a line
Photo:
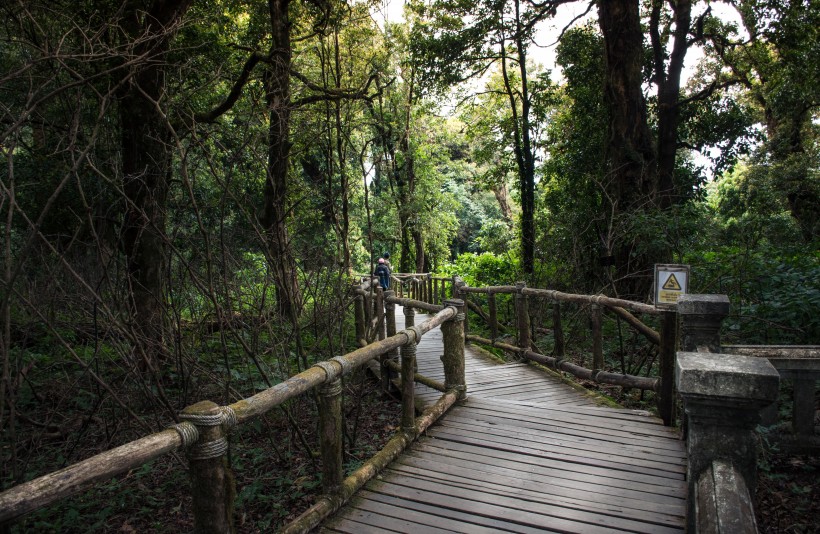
525	453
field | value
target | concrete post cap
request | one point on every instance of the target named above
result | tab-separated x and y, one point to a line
726	378
703	305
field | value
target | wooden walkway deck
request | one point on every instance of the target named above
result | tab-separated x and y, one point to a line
526	453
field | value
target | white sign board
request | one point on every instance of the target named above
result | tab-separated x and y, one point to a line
671	281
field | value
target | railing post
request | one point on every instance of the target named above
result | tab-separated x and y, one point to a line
213	487
701	317
493	315
331	435
597	338
557	330
409	317
382	334
722	396
667	349
358	313
453	358
522	316
408	385
390	320
430	299
461	295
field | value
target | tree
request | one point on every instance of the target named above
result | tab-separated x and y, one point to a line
146	140
454	42
778	67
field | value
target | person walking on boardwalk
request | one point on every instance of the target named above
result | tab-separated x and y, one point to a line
383	272
386	257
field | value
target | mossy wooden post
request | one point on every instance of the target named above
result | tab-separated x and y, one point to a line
493	315
390	319
408	385
430	299
453	358
358	313
331	435
667	350
597	338
462	296
213	487
522	314
436	292
382	334
557	331
409	317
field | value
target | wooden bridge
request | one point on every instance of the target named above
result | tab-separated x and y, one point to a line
500	447
525	453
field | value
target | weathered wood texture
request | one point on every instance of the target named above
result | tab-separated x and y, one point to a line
525	453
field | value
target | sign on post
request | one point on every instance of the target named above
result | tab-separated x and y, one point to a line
671	281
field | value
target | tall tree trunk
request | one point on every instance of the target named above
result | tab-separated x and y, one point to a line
145	141
668	82
421	258
522	144
274	213
630	154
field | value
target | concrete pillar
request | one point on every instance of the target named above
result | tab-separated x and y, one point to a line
701	317
722	397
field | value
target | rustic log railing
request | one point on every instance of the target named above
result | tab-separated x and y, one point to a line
666	339
423	287
204	427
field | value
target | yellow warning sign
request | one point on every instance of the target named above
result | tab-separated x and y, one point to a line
669	297
672	283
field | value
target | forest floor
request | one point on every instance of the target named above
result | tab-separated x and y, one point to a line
276	477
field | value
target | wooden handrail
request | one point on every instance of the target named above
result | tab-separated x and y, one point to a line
34	494
665	339
42	491
596	375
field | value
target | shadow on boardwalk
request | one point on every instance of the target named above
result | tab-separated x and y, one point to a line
525	453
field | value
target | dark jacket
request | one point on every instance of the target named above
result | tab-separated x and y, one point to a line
383	273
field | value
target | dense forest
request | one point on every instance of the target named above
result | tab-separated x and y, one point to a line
188	187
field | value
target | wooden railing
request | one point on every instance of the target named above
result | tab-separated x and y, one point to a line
423	287
204	427
666	339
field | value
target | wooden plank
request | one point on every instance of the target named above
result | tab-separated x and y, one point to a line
599	460
530	512
427	521
594	485
479	506
469	521
512	433
670	447
550	419
535	487
668	485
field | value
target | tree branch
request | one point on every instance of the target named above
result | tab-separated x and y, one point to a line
236	90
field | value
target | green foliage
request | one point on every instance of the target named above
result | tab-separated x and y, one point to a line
487	269
775	295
